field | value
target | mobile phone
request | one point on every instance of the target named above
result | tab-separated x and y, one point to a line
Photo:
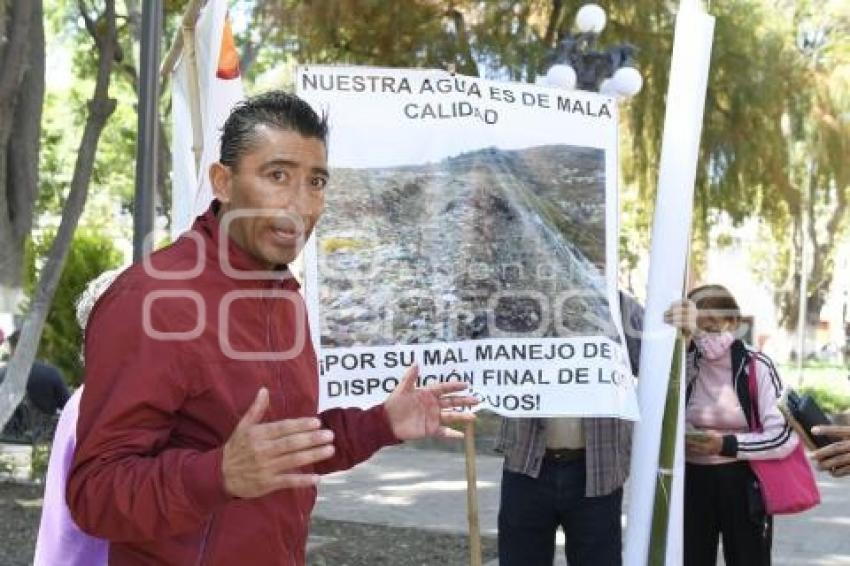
695	434
808	414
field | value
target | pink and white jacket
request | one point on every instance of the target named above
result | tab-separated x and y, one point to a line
718	399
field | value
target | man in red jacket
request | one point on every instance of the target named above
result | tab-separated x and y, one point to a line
199	440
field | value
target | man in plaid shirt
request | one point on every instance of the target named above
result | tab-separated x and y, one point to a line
568	472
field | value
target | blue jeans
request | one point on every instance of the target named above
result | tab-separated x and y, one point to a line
532	509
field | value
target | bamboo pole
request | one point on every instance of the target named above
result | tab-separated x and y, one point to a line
472	496
660	528
666	461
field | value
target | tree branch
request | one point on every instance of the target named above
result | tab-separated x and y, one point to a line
90	24
100	108
554	19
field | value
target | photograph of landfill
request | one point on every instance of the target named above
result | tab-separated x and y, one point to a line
488	243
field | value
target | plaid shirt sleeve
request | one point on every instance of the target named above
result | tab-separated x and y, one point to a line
522	441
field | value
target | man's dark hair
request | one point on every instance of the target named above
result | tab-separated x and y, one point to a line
13	338
276	109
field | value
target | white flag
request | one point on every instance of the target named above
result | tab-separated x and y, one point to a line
220	89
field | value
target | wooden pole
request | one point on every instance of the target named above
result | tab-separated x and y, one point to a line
472	496
172	57
194	91
190	16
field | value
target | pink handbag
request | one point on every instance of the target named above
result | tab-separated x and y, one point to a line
787	484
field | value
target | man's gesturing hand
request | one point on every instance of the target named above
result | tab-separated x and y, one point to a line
836	456
260	458
420	412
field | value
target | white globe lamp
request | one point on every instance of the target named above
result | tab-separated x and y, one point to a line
627	81
562	75
608	88
590	19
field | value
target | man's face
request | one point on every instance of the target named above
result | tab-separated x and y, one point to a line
274	195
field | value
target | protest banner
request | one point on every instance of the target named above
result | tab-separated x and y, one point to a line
470	228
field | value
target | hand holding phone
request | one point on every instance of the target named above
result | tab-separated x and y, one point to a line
834	458
806	412
703	442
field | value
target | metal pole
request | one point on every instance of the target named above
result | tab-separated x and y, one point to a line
148	137
804	268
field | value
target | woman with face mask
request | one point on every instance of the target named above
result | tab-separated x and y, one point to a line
722	497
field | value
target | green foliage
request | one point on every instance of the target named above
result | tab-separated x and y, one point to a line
59	133
39	458
7	465
90	255
830	401
371	32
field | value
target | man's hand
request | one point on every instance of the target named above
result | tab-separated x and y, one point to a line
836	456
260	458
421	412
683	315
708	443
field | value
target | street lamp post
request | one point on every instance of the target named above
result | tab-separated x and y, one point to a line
576	63
148	141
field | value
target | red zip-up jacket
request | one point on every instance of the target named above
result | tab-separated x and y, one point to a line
166	383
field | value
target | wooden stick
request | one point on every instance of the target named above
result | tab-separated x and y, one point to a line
184	45
472	496
190	17
194	94
172	56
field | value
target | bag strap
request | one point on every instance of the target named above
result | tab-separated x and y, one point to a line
752	383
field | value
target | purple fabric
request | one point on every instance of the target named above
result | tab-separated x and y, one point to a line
60	540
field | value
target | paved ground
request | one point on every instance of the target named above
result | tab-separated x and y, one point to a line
404	487
426	489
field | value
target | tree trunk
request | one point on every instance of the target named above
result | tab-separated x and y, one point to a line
821	268
553	22
101	107
21	100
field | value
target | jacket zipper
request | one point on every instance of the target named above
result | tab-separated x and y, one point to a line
738	373
272	344
202	553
